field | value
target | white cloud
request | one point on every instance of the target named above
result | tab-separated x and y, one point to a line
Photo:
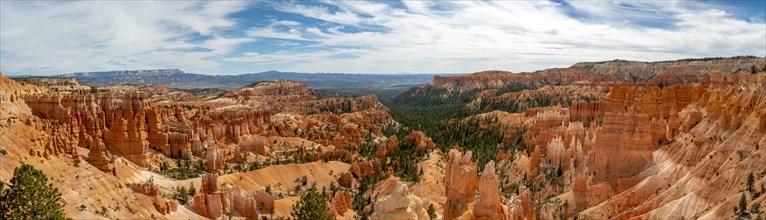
468	36
362	36
58	37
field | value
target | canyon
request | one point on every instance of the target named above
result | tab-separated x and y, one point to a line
597	140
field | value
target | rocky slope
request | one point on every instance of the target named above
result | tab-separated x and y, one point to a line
122	139
683	151
600	73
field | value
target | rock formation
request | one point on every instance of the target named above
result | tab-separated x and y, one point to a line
341	202
244	202
623	147
211	202
400	204
488	205
162	205
214	201
264	201
616	139
98	156
214	161
460	183
420	140
148	189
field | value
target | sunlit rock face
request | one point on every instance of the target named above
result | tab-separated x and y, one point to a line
489	204
400	204
615	140
460	182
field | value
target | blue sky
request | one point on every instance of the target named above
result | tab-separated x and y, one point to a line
231	37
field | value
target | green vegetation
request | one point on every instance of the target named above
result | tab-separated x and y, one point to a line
192	191
742	205
405	157
361	202
311	206
430	110
431	211
28	196
185	169
483	136
427	109
181	194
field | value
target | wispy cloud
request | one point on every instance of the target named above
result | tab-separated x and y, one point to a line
467	36
55	37
366	37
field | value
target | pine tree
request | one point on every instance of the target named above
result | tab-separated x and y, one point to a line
750	182
431	211
311	206
742	204
192	191
28	196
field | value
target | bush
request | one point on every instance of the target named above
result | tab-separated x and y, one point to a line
28	196
311	206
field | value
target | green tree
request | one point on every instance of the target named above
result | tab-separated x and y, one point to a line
28	196
312	205
192	191
750	182
181	194
164	166
742	204
431	211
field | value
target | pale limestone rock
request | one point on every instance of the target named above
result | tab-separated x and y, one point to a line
400	204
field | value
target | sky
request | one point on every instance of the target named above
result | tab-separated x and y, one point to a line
233	37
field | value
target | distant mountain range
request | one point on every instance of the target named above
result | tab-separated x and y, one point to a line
384	85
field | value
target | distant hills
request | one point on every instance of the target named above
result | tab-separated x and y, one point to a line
384	85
